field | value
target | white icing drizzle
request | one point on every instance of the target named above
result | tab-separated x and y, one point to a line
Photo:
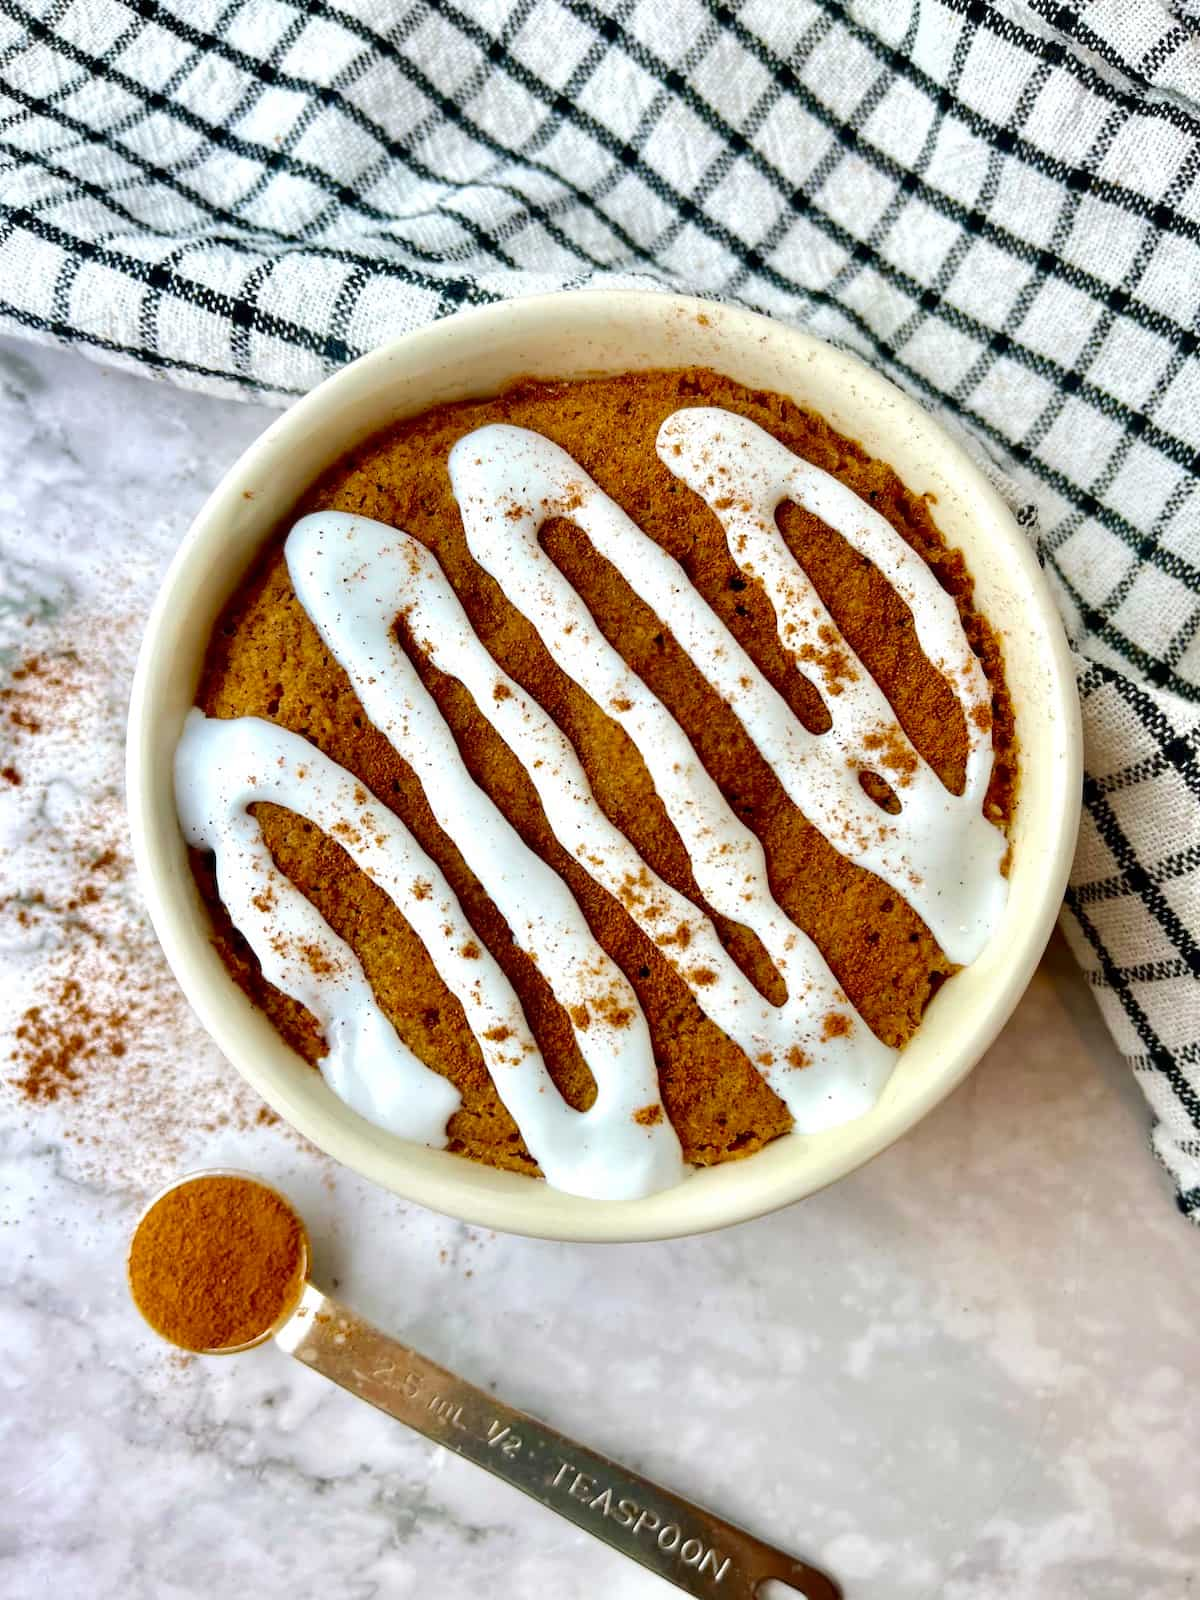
941	854
353	575
945	839
222	767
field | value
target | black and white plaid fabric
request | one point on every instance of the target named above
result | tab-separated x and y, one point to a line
996	204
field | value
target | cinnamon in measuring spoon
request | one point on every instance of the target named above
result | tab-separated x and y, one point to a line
217	1262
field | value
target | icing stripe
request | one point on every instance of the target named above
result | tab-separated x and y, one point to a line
354	574
940	854
744	475
224	766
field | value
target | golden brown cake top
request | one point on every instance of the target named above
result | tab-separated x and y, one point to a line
614	709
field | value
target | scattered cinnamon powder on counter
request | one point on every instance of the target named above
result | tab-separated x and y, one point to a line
99	1045
57	1039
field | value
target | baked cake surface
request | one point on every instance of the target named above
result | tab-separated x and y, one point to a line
268	659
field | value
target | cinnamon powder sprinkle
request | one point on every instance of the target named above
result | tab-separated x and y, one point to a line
317	960
57	1040
99	1043
836	1025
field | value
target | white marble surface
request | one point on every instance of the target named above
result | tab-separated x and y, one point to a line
971	1370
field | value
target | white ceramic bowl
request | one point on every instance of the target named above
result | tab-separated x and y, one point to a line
474	354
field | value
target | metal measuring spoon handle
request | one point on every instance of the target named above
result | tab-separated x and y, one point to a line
688	1546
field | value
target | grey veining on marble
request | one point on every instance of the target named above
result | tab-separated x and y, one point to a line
971	1370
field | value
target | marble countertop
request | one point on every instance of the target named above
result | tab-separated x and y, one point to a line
969	1370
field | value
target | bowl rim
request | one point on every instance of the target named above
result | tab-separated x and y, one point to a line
454	1185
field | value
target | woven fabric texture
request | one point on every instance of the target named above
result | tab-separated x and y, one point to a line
998	205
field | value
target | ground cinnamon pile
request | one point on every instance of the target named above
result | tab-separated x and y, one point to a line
217	1262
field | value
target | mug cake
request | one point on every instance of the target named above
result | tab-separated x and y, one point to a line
599	780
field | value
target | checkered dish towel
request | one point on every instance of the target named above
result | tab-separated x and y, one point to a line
998	205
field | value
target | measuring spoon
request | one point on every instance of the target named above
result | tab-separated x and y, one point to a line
698	1552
